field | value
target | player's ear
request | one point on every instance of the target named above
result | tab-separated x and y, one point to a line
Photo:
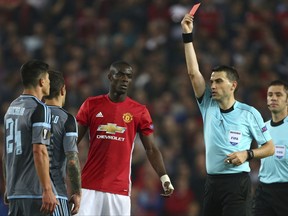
41	82
109	76
234	85
63	90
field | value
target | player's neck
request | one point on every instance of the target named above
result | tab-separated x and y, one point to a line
226	103
277	117
53	102
35	92
115	97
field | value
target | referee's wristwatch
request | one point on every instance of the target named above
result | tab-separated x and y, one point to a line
250	154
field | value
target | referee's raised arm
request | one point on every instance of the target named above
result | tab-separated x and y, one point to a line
196	77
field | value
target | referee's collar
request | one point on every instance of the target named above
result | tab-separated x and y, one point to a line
228	110
274	124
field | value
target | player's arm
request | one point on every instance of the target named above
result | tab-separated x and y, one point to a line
196	77
40	138
41	161
74	174
155	158
265	150
81	132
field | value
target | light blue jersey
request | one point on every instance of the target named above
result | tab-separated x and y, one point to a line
229	131
275	168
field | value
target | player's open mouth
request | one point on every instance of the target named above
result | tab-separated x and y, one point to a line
123	86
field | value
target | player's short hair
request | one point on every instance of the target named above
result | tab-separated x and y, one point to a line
56	83
279	83
231	72
119	65
32	71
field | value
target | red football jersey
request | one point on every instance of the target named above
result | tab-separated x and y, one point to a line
113	128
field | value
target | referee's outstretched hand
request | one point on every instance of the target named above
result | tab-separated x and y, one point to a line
187	23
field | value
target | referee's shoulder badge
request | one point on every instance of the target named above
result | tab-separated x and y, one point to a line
46	133
263	129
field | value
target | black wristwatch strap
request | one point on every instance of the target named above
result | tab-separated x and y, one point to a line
250	154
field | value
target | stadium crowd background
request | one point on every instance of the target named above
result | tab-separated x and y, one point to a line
82	38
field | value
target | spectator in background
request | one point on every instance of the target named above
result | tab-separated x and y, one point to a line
271	195
63	147
229	128
113	121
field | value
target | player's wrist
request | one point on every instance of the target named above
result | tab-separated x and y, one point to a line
250	154
165	178
187	37
76	193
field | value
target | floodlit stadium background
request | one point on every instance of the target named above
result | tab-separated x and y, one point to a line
82	38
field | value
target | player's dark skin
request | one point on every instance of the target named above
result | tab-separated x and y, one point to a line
120	80
119	84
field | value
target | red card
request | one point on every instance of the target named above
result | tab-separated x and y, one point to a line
194	9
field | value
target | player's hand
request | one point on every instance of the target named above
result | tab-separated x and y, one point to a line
236	158
6	201
75	201
167	186
49	202
187	23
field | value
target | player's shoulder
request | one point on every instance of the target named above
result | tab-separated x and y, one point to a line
245	107
29	100
268	122
135	103
70	117
95	98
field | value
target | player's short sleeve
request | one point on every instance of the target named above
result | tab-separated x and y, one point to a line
146	125
41	125
204	101
71	135
258	127
82	116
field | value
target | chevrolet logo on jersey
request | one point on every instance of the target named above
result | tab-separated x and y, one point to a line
111	128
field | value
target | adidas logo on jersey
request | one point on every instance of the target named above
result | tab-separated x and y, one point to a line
99	115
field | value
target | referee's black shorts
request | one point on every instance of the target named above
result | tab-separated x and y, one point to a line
271	200
227	195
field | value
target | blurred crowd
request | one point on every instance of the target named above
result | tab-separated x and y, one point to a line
82	38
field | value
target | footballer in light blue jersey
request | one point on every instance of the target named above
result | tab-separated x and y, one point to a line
227	131
275	168
271	193
229	128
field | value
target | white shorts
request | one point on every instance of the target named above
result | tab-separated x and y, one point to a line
100	203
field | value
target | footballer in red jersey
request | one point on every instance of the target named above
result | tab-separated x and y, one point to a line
113	121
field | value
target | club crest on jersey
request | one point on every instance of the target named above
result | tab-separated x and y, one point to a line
127	117
111	128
